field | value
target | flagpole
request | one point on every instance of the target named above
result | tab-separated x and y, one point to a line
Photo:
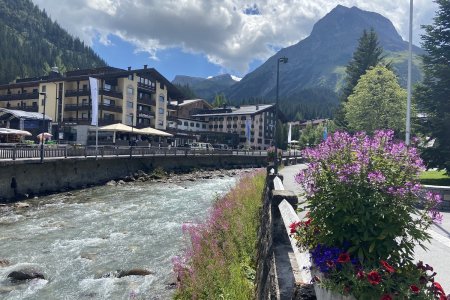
408	102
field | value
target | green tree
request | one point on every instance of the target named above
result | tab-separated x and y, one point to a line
378	102
219	100
433	94
368	54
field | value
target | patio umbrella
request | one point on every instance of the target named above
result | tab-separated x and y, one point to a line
118	127
43	136
153	131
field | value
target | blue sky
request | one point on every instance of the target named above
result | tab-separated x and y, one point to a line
207	37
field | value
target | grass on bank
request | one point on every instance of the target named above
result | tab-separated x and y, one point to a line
220	261
432	177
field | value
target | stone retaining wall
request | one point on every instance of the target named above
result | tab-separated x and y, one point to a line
444	191
19	179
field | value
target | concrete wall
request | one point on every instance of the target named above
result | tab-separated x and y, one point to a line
19	178
279	274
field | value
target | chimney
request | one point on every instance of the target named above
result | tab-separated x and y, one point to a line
129	68
145	66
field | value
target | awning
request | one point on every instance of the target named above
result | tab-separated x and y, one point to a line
14	131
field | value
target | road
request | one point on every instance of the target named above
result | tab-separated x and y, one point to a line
438	251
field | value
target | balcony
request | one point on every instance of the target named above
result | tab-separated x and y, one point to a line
172	118
75	93
147	87
103	107
146	101
145	114
88	121
29	108
23	96
87	92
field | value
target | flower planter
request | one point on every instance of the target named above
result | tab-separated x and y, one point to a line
324	294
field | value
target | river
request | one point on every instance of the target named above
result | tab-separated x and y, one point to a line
76	238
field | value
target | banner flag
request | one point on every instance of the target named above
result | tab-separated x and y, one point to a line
94	96
325	133
290	133
247	129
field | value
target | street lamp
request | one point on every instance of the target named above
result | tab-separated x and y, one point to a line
43	127
279	60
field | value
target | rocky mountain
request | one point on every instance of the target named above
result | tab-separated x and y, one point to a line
319	60
206	88
31	43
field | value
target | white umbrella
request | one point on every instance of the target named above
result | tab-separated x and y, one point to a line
117	127
153	131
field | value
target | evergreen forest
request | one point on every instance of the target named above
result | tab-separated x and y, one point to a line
31	43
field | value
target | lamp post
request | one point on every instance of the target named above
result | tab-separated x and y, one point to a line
279	60
43	127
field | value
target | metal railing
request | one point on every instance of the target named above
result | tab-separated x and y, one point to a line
16	151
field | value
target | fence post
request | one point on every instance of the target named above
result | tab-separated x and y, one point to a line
14	152
65	152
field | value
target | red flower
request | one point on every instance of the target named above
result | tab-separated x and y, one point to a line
386	297
438	289
307	222
414	289
294	226
374	277
360	275
387	267
343	258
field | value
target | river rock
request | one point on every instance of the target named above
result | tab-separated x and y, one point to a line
171	285
120	182
135	272
4	263
124	273
25	274
21	205
111	183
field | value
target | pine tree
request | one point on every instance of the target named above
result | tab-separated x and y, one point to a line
433	94
368	54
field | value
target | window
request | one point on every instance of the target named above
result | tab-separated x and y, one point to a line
161	85
221	119
130	118
221	126
44	89
204	126
130	91
130	77
161	98
243	118
107	87
216	119
234	126
229	118
215	126
161	123
179	122
186	123
210	127
35	91
129	104
197	125
228	126
161	110
84	116
235	118
191	124
84	102
34	104
85	87
109	117
108	102
242	125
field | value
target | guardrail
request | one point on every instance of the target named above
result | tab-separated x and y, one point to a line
14	152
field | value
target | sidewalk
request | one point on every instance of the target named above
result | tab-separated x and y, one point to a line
438	251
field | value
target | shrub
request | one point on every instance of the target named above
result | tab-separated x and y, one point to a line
362	195
220	260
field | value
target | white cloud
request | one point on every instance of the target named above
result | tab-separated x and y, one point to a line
219	29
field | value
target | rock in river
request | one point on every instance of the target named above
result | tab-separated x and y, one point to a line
25	274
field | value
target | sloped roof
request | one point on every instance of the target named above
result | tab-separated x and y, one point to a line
20	114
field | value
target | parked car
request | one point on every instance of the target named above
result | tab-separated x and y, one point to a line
221	146
201	146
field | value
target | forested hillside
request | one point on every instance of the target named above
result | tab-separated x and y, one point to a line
31	43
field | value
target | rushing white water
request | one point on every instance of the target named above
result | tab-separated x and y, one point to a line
76	239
